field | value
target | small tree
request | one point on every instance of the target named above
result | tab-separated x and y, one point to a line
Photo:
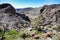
4	30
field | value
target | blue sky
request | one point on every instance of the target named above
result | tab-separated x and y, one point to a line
29	3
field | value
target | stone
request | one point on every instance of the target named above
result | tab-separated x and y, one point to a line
48	34
36	36
33	34
49	38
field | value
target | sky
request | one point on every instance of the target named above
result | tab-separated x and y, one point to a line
29	3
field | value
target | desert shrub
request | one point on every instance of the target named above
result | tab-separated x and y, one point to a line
58	28
1	34
54	37
39	29
11	35
35	22
12	32
9	38
24	35
1	31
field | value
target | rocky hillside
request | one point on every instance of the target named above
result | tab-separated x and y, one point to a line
10	19
42	23
50	14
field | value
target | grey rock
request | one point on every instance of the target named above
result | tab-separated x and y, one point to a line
10	19
7	8
50	15
36	36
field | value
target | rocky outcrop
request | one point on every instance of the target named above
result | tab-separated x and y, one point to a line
9	19
7	8
50	15
23	16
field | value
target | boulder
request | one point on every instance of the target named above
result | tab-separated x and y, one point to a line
36	36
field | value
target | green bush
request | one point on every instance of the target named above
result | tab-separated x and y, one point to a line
24	35
55	37
58	28
1	32
11	35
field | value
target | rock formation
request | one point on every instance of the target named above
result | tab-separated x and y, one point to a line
10	19
50	14
7	8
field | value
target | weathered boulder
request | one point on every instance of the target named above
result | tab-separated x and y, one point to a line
36	36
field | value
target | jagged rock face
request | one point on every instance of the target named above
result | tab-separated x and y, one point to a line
50	15
23	16
7	8
12	20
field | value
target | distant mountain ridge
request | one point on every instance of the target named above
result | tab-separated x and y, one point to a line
31	12
29	8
